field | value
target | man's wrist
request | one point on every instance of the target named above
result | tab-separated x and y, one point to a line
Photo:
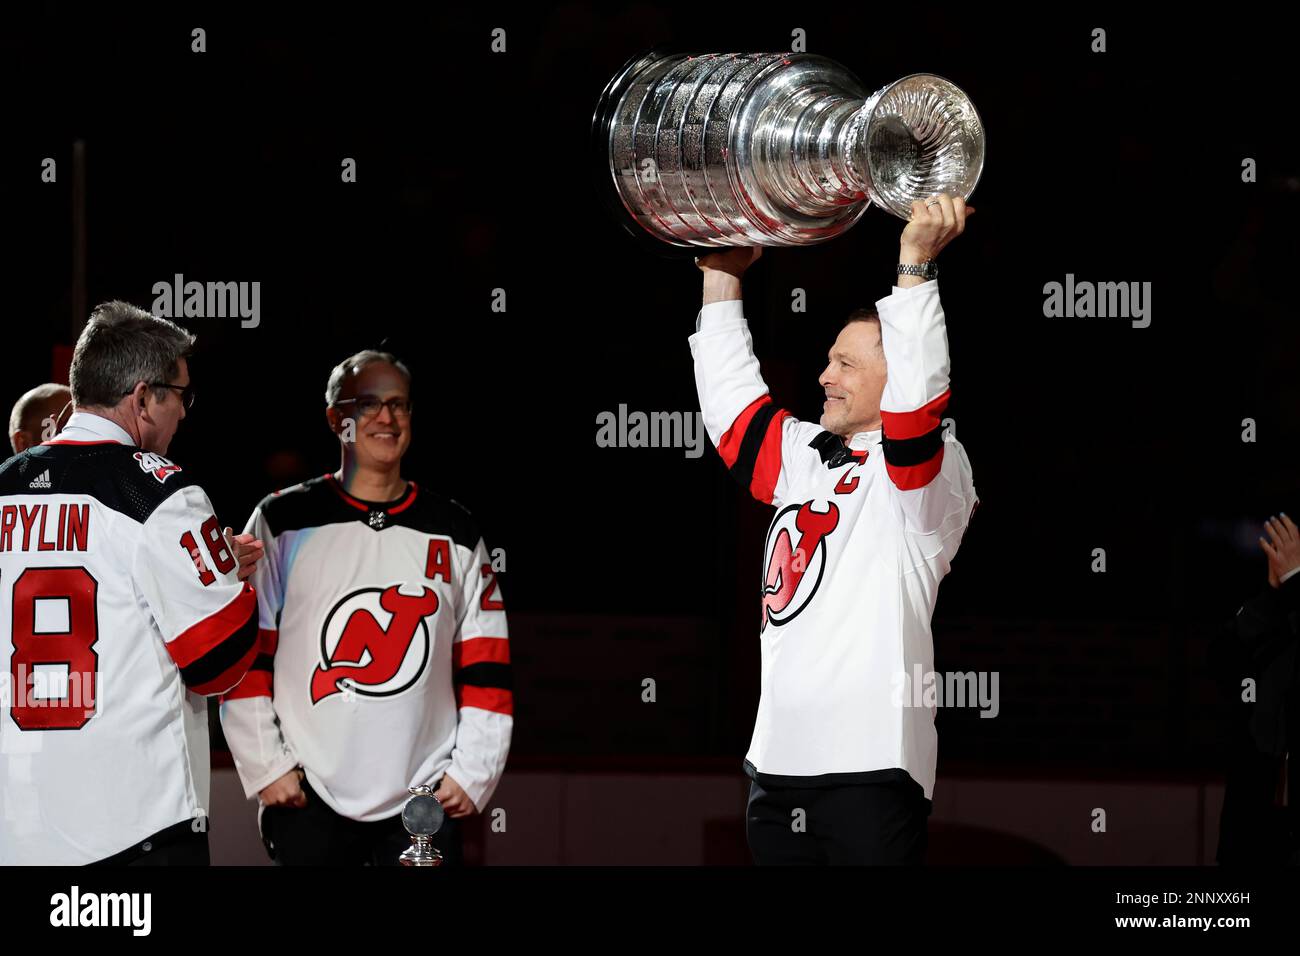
912	255
720	286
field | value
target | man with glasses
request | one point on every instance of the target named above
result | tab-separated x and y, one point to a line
122	606
384	662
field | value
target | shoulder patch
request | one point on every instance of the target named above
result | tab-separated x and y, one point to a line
156	465
125	478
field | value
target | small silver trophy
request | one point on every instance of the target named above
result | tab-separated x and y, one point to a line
422	816
773	149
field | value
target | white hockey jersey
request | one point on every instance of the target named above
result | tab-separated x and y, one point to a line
385	659
861	538
120	609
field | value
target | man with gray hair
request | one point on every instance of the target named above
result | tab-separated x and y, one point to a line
123	607
38	415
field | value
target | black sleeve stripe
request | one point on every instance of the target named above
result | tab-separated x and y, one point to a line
752	444
222	657
263	662
902	453
486	674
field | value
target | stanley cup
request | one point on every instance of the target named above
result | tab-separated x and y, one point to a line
774	149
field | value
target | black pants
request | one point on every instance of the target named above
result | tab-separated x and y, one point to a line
861	824
315	835
177	845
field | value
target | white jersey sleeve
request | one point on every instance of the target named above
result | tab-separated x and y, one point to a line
187	577
758	441
248	717
929	472
480	675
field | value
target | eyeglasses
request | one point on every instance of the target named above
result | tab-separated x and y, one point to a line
187	392
369	405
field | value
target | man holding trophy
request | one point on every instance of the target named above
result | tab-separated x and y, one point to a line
871	506
734	152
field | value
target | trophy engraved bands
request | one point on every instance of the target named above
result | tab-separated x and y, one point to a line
774	149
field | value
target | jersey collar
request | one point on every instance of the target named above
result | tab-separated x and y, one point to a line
389	507
83	428
865	440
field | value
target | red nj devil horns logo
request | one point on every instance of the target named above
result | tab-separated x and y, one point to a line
787	565
387	648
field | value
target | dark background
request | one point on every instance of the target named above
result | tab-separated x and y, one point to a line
631	563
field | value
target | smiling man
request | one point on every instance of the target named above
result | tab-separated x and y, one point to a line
384	661
871	504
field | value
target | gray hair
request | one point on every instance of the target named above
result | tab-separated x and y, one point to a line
348	369
20	419
121	346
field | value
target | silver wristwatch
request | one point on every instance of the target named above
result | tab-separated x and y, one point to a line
926	270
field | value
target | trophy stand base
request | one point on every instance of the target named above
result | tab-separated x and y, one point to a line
422	852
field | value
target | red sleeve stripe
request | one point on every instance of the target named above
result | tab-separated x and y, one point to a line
911	477
478	650
729	444
199	639
494	699
751	448
767	464
903	425
268	639
254	684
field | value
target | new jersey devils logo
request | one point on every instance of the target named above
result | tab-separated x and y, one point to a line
374	660
794	568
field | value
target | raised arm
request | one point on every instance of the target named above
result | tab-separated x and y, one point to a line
931	475
754	437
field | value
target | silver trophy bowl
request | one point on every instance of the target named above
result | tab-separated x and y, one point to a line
774	149
422	817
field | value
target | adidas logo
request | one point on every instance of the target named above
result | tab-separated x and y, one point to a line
42	480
